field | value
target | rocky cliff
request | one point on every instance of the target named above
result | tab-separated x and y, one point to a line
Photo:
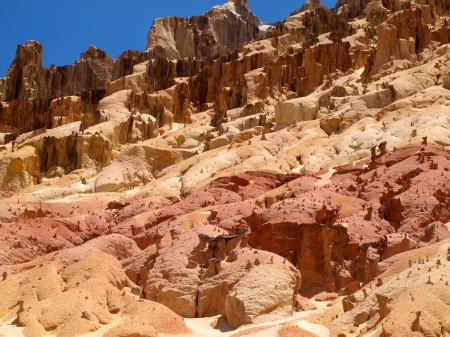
219	30
28	89
233	179
28	79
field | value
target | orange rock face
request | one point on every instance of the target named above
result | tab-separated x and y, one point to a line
28	89
292	177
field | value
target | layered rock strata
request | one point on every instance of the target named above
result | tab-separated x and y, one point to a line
250	178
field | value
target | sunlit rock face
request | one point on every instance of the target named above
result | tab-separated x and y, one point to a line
221	29
285	179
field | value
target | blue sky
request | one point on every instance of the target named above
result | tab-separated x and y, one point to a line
67	27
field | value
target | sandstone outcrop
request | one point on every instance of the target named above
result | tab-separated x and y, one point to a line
330	228
423	287
72	294
280	179
194	273
27	78
352	9
403	44
310	5
28	88
241	306
221	29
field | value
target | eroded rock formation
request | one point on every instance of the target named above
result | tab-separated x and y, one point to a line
233	169
219	30
28	88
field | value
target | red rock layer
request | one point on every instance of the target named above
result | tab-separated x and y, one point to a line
337	229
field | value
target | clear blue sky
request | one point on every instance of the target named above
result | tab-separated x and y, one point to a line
67	27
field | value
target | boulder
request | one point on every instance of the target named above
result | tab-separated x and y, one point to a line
264	294
296	110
